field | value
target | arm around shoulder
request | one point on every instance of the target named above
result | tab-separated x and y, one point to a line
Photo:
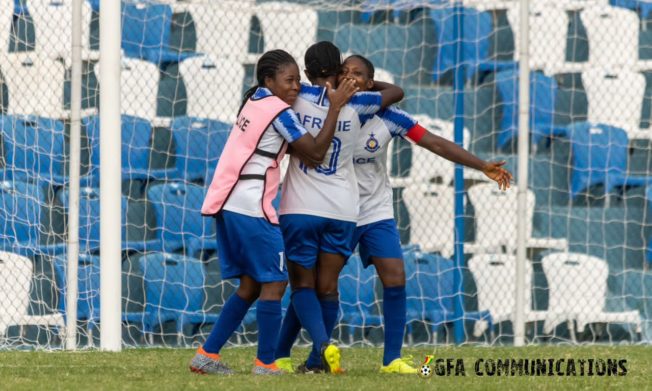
390	93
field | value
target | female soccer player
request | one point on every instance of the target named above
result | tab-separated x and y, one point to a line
240	198
319	209
376	232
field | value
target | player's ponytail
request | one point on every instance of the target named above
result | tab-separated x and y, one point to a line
248	94
323	59
267	66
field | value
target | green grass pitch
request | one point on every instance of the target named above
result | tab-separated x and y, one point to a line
167	369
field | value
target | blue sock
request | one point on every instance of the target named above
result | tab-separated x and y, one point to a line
289	332
268	315
309	313
330	310
394	313
233	312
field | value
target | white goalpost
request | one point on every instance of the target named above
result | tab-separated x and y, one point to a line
110	178
523	152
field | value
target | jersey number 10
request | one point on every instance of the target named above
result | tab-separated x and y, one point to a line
331	168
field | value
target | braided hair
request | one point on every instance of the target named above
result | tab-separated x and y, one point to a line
370	67
323	59
267	66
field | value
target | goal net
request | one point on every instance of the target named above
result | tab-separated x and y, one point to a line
185	66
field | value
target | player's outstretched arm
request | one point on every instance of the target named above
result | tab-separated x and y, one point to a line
312	150
390	93
453	152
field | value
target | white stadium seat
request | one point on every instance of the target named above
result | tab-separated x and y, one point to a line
548	30
616	98
496	221
6	16
223	27
613	36
35	84
431	209
495	278
214	87
16	273
53	28
578	290
428	167
574	5
287	26
138	88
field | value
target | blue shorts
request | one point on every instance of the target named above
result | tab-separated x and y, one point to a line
306	236
379	239
250	246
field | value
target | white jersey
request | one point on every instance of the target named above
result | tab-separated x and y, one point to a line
246	197
370	161
329	190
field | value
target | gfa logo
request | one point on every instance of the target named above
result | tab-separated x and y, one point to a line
426	370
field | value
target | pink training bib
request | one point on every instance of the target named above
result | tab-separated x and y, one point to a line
252	122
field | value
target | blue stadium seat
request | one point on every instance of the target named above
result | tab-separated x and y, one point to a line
198	145
20	7
22	208
599	157
146	27
357	299
431	292
88	286
88	304
174	289
89	223
180	225
543	91
478	26
136	148
629	4
34	149
643	7
95	5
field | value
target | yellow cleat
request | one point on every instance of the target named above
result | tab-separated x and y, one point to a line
285	364
402	365
331	359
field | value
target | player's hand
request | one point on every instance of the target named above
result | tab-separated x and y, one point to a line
308	163
496	172
340	97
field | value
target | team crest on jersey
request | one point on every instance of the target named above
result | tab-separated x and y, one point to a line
372	143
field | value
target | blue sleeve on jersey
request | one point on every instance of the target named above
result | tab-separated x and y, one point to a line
364	118
288	126
398	121
366	102
261	92
313	94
